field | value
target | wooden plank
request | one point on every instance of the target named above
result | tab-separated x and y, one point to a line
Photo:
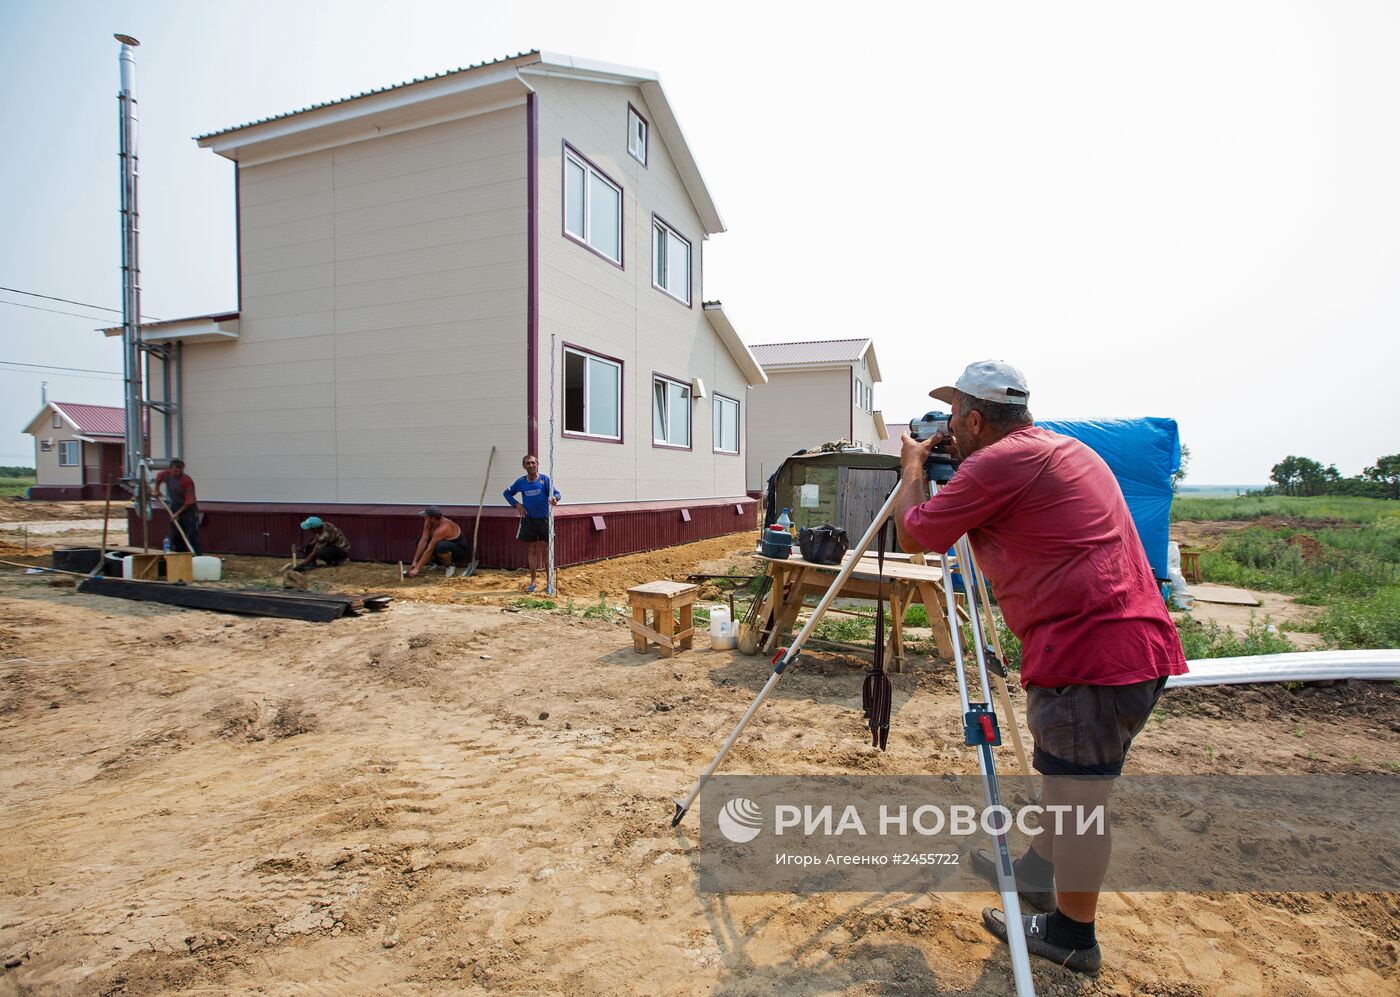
642	631
217	600
179	567
668	589
1222	595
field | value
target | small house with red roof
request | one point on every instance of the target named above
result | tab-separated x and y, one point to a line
78	449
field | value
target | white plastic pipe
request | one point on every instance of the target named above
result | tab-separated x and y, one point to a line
1298	666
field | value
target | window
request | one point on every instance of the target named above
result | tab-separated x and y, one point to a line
592	207
68	453
57	421
670	412
670	261
592	395
636	135
726	425
864	396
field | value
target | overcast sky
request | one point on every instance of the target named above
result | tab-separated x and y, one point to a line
1173	209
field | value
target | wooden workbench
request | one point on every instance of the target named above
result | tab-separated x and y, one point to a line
905	583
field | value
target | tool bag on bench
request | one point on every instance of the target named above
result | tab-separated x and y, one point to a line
825	544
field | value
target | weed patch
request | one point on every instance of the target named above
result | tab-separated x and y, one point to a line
1211	640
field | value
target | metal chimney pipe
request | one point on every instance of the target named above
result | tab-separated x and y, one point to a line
43	393
131	265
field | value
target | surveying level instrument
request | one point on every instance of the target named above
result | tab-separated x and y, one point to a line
980	727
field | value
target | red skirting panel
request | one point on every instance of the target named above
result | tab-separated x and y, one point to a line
390	532
71	493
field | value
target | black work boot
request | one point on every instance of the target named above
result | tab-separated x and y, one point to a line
1087	961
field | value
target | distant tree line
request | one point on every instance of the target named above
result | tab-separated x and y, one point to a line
16	472
1303	476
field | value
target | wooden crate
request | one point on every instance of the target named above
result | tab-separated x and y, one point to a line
179	566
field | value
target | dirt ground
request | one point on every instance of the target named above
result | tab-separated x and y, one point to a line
460	796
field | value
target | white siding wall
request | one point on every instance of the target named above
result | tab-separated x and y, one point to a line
796	410
588	302
381	347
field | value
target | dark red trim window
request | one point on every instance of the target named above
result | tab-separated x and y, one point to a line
726	424
670	261
637	129
592	206
592	395
671	411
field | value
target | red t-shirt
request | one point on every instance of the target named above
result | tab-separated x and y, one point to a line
1050	529
179	491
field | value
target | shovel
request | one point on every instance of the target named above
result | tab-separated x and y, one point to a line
471	568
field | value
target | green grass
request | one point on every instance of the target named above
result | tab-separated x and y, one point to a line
1350	510
1353	562
845	629
1350	567
530	602
599	611
15	487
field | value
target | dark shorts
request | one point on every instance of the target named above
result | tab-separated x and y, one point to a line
533	530
330	555
1087	729
458	549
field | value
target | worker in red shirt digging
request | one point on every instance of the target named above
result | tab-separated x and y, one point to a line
1050	529
183	505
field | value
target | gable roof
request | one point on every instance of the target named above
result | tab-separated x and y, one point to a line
453	94
817	352
91	420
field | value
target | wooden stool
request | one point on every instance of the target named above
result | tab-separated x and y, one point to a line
1191	566
662	598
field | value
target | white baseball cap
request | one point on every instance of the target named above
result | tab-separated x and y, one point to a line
990	380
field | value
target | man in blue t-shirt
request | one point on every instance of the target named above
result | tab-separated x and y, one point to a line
537	494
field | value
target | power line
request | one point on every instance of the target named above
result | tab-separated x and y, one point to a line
78	377
56	311
70	301
85	370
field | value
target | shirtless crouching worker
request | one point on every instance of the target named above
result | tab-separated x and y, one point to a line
442	541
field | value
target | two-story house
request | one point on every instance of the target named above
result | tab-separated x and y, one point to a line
509	254
817	392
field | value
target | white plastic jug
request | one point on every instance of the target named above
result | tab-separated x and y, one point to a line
207	569
126	566
722	635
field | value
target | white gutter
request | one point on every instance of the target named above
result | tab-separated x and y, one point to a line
748	364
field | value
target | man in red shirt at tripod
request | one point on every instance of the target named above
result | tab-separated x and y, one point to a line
1049	526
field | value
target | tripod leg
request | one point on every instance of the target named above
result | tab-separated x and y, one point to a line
790	654
1004	695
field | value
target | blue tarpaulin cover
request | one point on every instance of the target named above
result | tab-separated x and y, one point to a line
1143	454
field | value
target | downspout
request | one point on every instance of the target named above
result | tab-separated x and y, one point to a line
532	279
131	266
